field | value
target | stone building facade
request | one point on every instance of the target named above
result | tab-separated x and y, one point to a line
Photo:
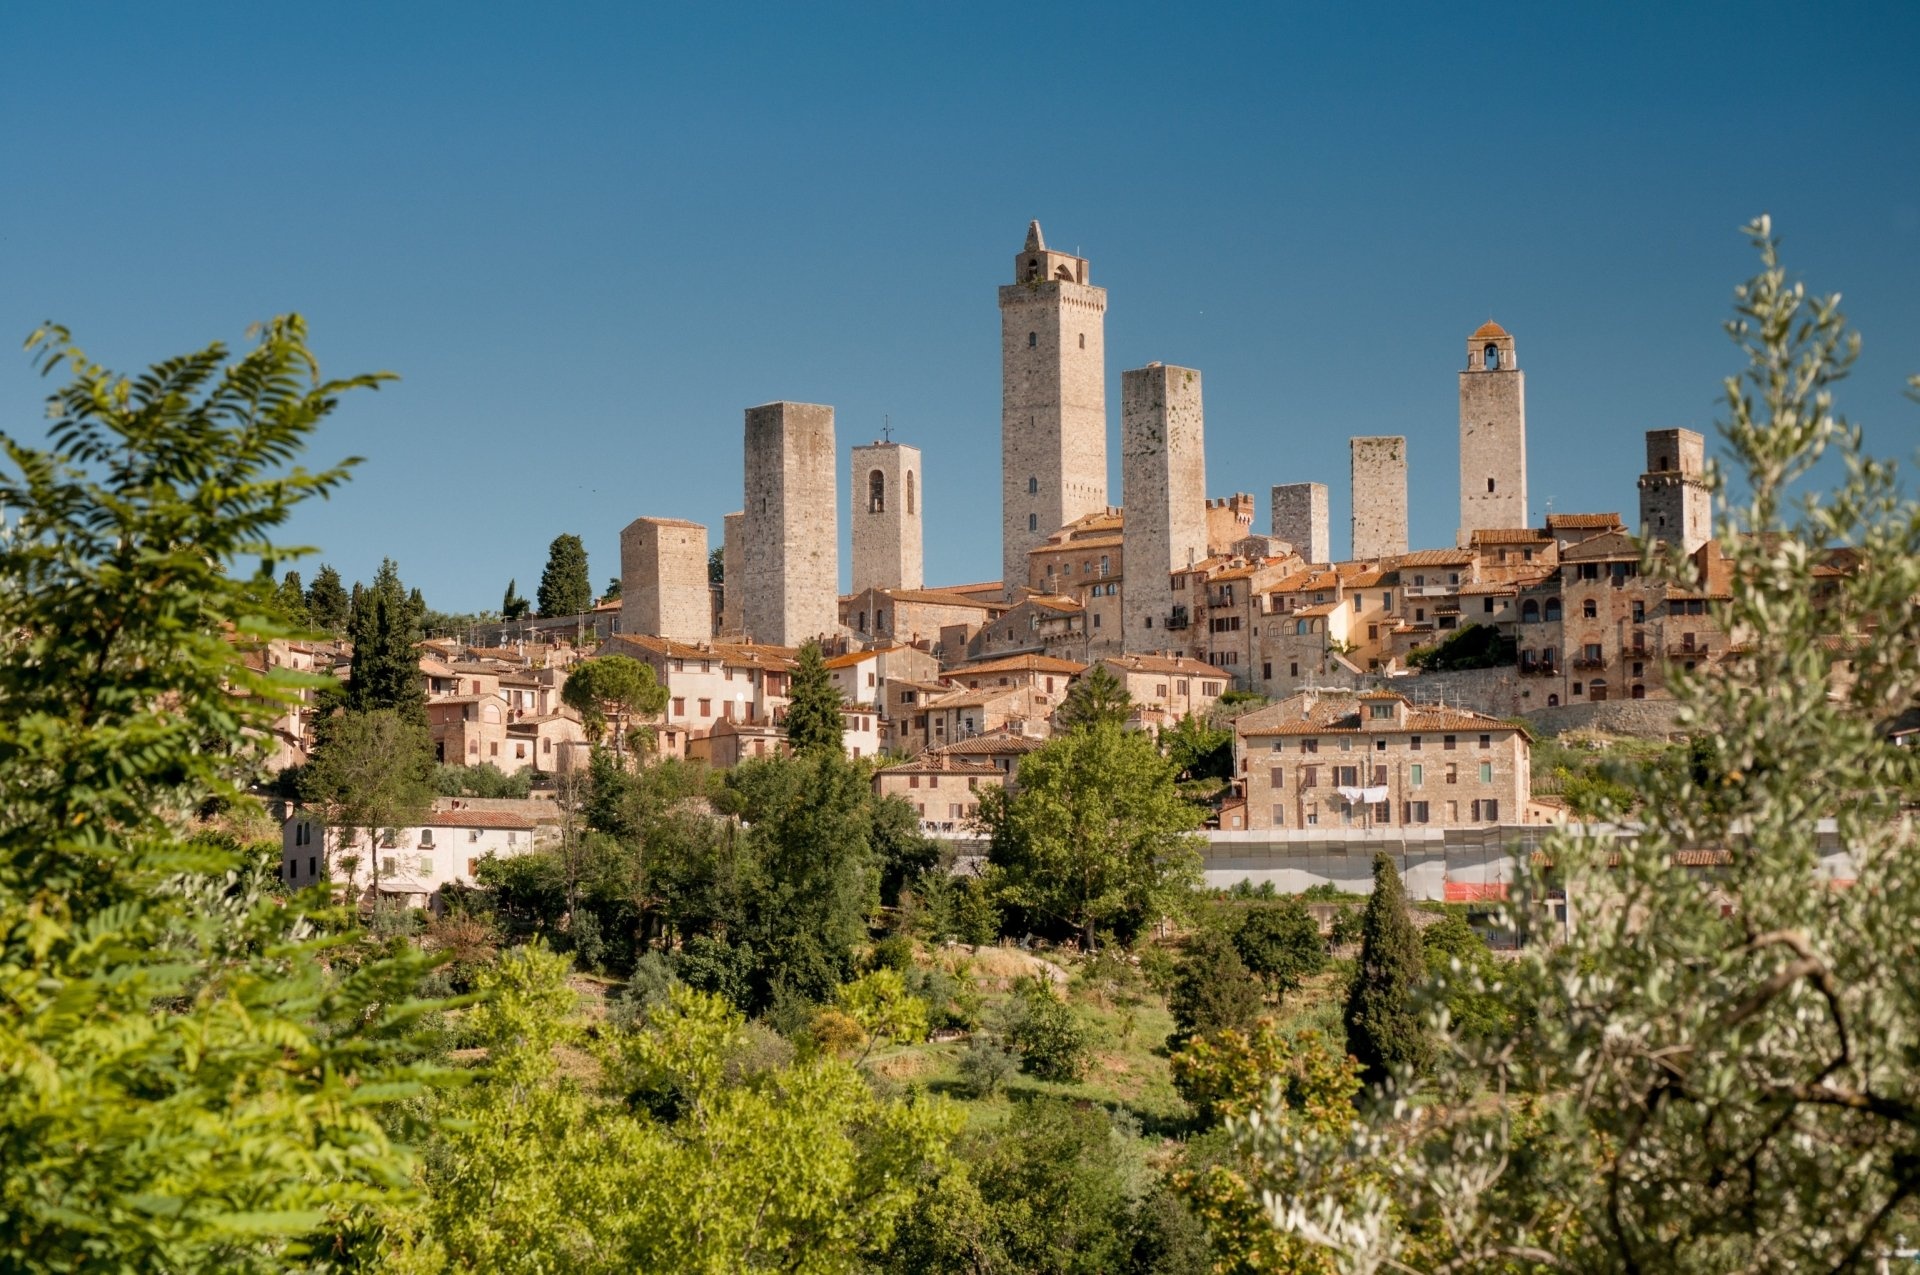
1053	416
887	551
1493	434
790	551
732	584
1675	504
1164	469
1229	521
663	579
1379	475
1300	519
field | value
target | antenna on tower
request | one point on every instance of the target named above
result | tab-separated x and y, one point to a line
886	428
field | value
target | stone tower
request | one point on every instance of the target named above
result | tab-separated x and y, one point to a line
1053	401
1379	496
1164	475
790	537
1493	435
1300	519
1675	504
663	580
886	517
732	582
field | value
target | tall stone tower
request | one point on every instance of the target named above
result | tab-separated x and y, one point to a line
732	571
790	538
1493	435
1379	471
663	580
1300	519
886	517
1164	471
1675	504
1053	401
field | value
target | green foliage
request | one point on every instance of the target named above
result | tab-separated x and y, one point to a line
373	773
1212	988
189	1080
484	780
1096	838
1281	944
1096	698
564	587
292	602
1384	1027
1464	972
327	602
512	606
612	593
384	629
1198	749
987	1065
1469	646
813	708
716	565
616	689
1038	1025
880	1003
1225	1073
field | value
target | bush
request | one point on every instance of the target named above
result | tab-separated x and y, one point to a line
1040	1027
986	1066
583	935
895	952
709	964
1282	945
485	780
1212	989
646	989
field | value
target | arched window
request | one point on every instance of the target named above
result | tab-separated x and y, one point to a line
1033	268
1299	626
909	492
1530	612
1063	274
1491	356
1588	610
1033	486
876	492
1033	522
1553	701
1083	340
1553	611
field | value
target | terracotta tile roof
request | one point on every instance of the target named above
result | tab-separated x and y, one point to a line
1435	558
1485	590
1488	331
1325	608
1054	602
965	698
1175	664
1368	579
1511	535
1208	564
931	597
738	654
435	668
1608	544
1332	714
1020	664
920	766
477	819
465	699
1584	522
1310	578
1101	541
984	586
851	658
993	744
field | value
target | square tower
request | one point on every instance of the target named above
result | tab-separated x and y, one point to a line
886	517
1300	519
790	537
1493	435
663	580
1675	504
732	579
1053	401
1379	471
1164	476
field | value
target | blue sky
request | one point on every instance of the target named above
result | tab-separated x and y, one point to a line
587	237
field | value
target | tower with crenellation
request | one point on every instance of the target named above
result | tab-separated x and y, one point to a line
1053	401
1675	503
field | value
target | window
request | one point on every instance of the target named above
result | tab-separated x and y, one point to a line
493	749
1489	486
1309	745
1453	773
1378	711
520	751
424	865
1552	613
1379	745
1449	742
1416	812
1589	610
706	708
1639	612
313	867
1309	776
1273	778
1491	358
1033	486
1033	522
1417	777
1033	339
1529	612
1486	772
910	493
1266	670
1346	776
876	492
1294	669
1083	340
1413	744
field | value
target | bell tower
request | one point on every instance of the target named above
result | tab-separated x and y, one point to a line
1053	401
1493	435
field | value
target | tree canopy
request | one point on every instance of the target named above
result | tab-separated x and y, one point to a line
328	603
1096	697
565	588
813	705
616	687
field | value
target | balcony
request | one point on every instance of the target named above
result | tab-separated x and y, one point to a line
1685	652
1539	668
1178	619
1429	590
1589	663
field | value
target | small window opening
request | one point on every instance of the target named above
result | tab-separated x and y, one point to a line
1491	356
909	491
1489	484
1033	339
876	492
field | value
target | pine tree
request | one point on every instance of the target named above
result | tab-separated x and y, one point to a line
327	602
1384	1028
613	591
564	587
1097	697
813	708
513	606
386	667
292	600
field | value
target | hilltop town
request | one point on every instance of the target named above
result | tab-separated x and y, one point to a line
1439	665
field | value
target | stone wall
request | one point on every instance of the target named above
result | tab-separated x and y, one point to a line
790	561
1162	432
1053	414
885	510
1379	476
1641	718
1300	518
732	571
1493	439
663	580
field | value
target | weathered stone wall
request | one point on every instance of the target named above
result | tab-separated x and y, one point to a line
732	571
887	546
1162	430
1675	504
1499	691
790	564
1493	439
1300	518
1642	718
1053	415
663	580
1379	475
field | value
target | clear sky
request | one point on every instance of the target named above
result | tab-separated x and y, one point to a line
588	236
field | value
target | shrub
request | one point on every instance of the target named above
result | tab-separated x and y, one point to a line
646	989
1039	1026
1212	989
895	952
986	1066
1282	945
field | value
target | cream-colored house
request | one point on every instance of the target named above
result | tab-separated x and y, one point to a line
411	864
945	793
1166	688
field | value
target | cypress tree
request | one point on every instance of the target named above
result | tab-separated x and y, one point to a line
386	667
327	601
292	600
564	587
813	707
512	605
1385	1033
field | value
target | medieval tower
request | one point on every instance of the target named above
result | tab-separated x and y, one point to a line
1300	519
663	580
790	537
732	573
1675	504
1053	401
1164	477
886	517
1493	435
1379	475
